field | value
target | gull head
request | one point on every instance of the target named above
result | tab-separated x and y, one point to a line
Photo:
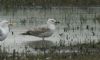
52	21
5	25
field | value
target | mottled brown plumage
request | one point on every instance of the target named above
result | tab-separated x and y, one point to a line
42	31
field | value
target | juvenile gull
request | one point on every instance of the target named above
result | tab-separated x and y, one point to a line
4	30
44	30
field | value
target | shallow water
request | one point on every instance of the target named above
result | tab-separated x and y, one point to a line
69	18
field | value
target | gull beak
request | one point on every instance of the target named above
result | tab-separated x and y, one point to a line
57	22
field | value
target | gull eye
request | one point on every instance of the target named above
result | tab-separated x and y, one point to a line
52	20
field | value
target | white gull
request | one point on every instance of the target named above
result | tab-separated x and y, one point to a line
4	30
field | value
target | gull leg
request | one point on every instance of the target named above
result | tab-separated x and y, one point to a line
43	38
43	43
43	46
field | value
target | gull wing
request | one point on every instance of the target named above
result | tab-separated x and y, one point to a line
38	30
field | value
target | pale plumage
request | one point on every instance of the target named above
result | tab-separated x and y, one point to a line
4	30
